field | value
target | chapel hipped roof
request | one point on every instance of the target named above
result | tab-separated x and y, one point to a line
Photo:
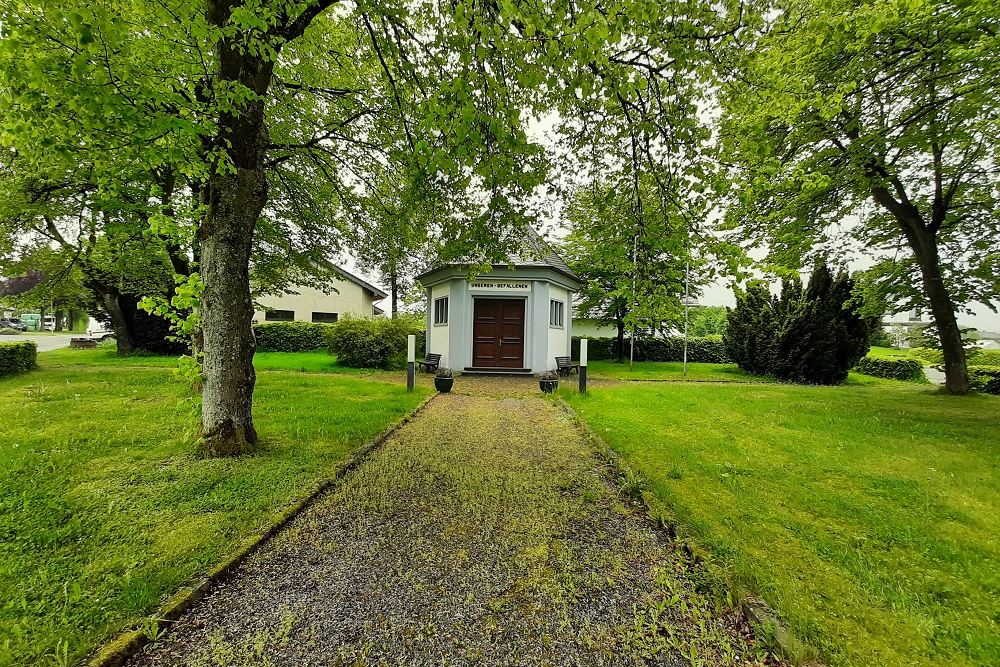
534	253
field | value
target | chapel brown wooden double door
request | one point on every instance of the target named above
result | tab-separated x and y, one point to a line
498	333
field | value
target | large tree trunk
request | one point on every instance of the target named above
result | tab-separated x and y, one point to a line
950	336
227	312
922	239
235	201
119	322
59	313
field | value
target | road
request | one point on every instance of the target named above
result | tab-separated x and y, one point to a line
45	342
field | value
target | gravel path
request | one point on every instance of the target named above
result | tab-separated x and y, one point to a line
486	532
934	376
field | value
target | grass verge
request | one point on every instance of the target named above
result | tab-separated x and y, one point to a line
866	515
104	509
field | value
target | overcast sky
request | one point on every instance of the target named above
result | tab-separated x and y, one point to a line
718	293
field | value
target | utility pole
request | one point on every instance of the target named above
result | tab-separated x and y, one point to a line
687	304
635	300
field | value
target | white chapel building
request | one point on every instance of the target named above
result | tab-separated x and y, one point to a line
515	318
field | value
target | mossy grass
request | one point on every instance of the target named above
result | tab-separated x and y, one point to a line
866	515
106	508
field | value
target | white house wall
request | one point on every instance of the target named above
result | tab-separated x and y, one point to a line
350	299
591	328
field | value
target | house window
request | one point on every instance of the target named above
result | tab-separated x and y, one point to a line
441	310
556	313
279	315
328	318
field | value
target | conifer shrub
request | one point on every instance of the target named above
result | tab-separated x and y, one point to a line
751	335
810	336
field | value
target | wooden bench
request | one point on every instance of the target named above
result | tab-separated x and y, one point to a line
565	365
82	343
430	363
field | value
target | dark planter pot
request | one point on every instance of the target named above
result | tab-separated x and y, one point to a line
444	385
548	386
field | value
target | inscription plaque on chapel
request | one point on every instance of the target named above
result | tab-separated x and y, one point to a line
500	285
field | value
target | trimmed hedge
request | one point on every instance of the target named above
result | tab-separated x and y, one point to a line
291	336
701	349
981	357
894	369
374	343
930	355
18	357
975	356
985	379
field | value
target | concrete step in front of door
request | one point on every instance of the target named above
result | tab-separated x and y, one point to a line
493	370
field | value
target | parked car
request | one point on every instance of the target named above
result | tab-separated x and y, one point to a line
99	330
13	323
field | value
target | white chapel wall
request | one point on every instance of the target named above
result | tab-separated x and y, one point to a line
439	334
557	339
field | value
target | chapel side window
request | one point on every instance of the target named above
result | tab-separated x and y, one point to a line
441	310
557	313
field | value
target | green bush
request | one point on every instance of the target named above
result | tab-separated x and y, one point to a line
980	357
7	331
927	354
291	336
985	379
701	349
894	369
18	357
374	343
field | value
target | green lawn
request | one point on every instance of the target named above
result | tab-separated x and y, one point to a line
310	362
667	370
104	510
671	371
867	516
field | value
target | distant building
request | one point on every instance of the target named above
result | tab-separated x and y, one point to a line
591	327
353	296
